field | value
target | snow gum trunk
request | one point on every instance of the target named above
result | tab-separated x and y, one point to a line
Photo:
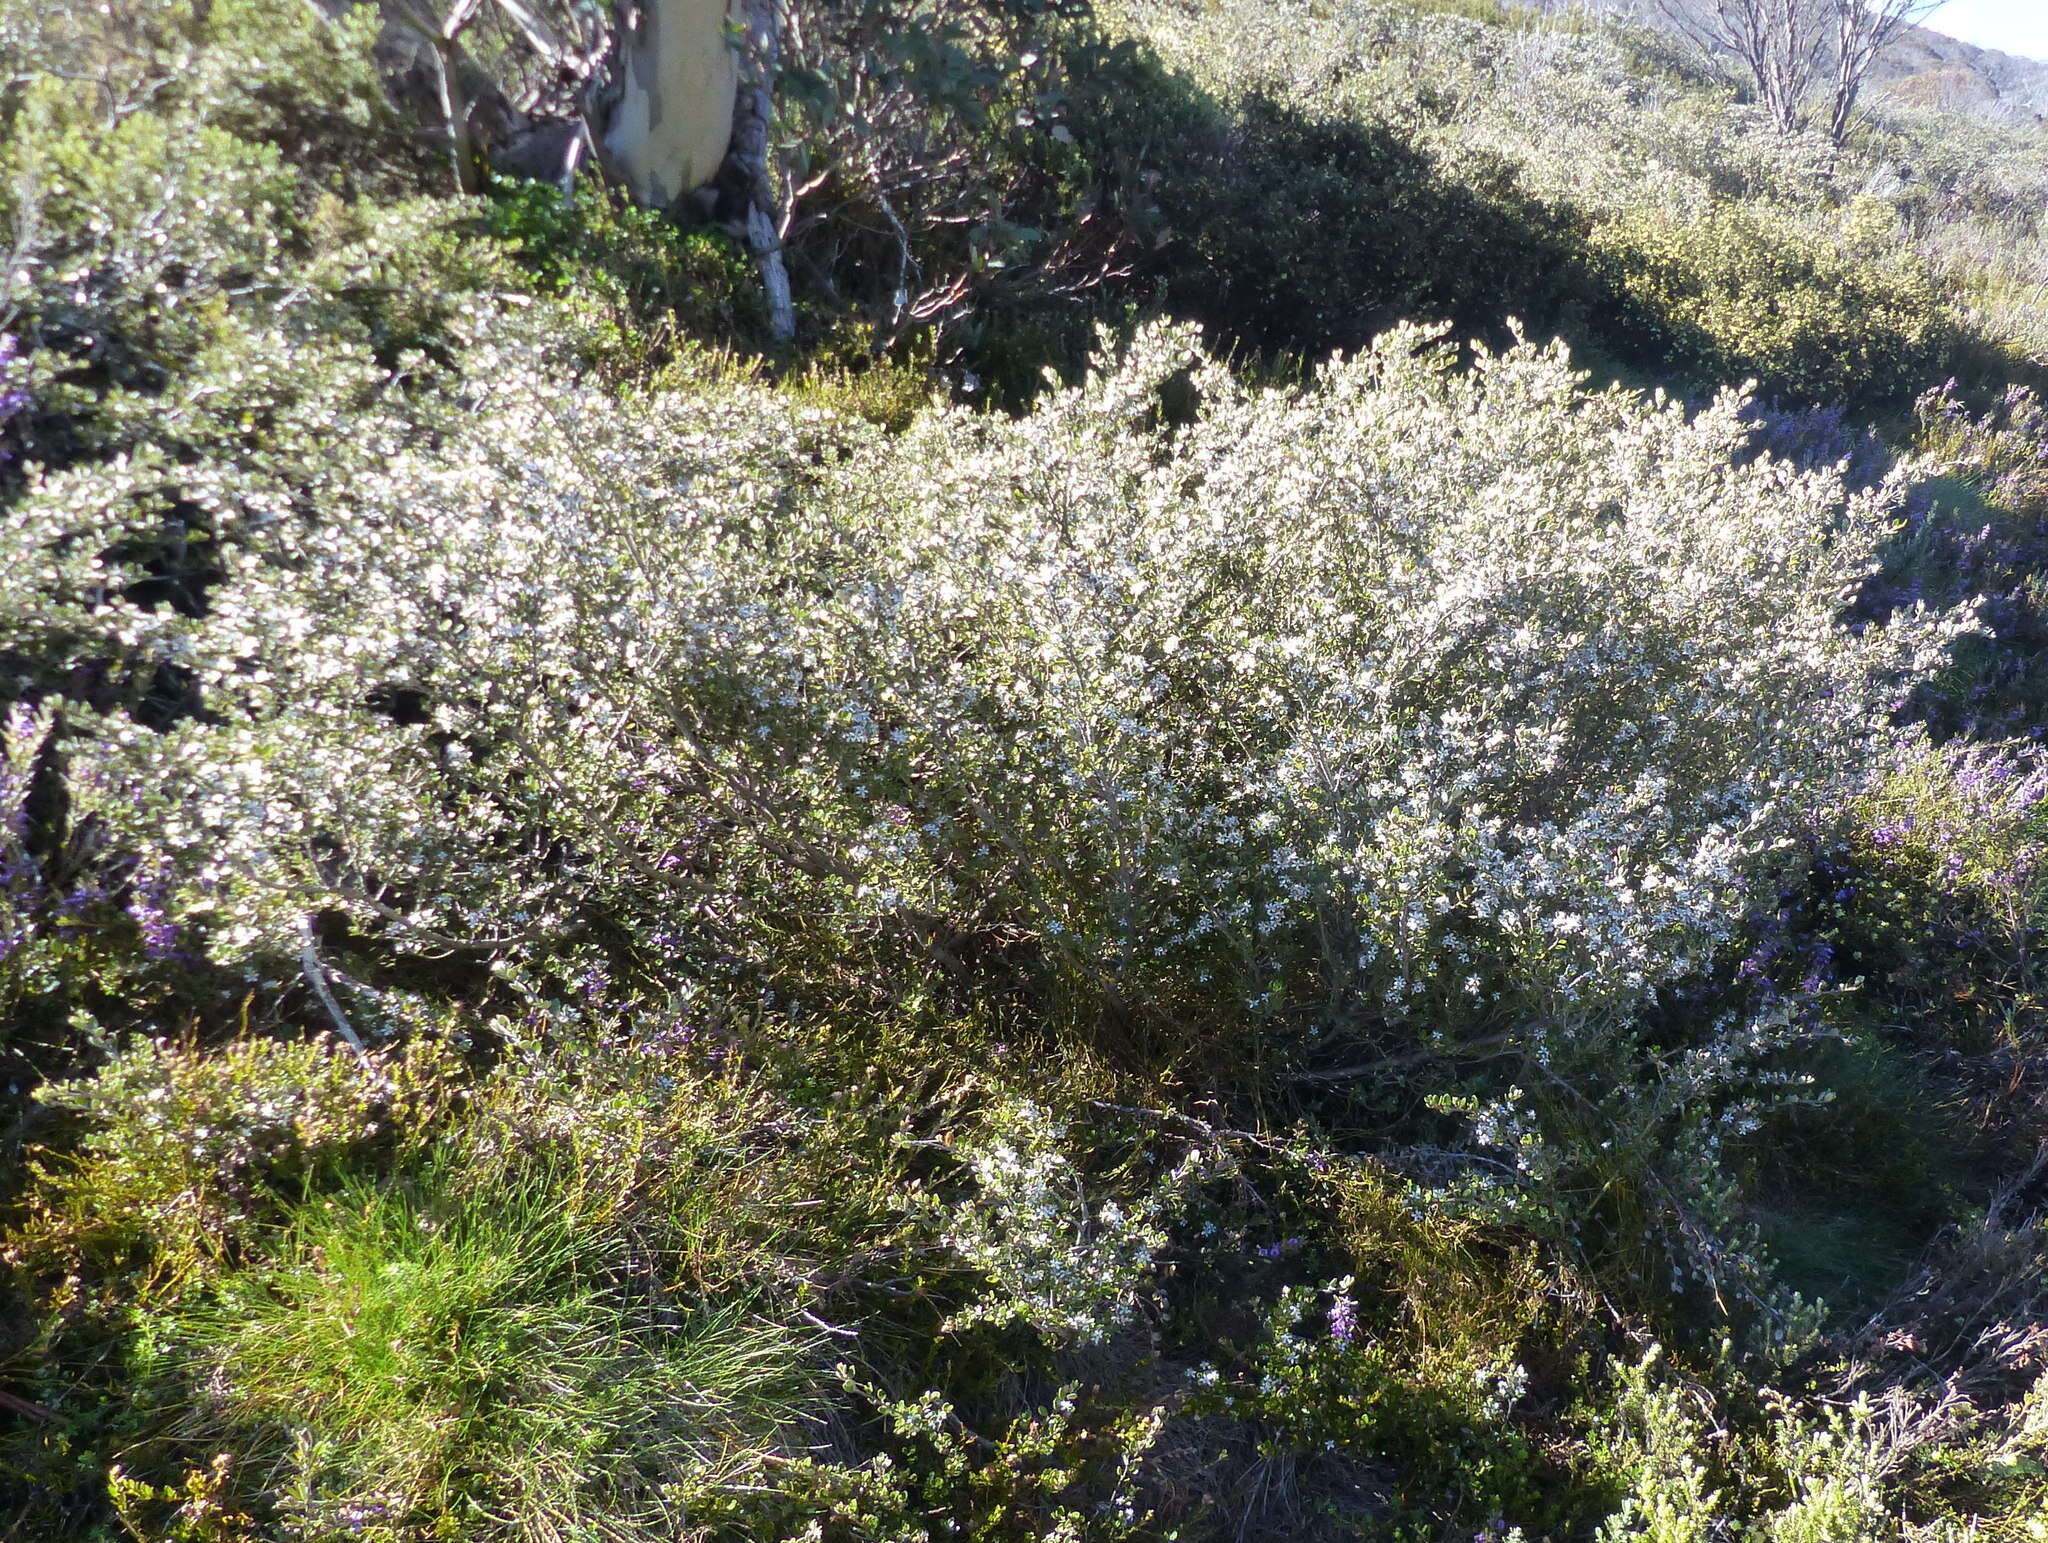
677	82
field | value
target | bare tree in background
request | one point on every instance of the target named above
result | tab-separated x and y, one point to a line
1805	58
1864	29
1775	41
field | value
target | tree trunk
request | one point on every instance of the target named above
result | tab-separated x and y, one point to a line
690	95
667	120
686	96
752	122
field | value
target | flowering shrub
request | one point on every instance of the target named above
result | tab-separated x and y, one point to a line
2003	451
1192	719
1951	855
1070	1270
1058	1473
21	741
1320	1383
1969	817
1419	703
1460	798
14	400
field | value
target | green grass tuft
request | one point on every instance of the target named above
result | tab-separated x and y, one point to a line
454	1355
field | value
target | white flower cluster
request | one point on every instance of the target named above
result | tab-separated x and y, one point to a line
1067	1267
1443	686
1666	1118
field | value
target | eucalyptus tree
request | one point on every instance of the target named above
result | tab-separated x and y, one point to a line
773	116
1806	60
666	96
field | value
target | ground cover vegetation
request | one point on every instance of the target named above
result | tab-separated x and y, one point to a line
1325	822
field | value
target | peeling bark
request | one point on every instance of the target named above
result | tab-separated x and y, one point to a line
666	113
684	97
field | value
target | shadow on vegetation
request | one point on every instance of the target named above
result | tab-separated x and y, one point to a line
1288	235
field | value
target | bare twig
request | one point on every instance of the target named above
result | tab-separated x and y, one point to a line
27	1408
316	977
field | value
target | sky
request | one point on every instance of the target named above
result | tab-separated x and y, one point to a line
2015	26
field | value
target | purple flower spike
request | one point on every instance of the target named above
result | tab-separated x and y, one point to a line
159	932
14	401
1343	1320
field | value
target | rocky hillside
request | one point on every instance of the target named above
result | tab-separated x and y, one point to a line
1931	69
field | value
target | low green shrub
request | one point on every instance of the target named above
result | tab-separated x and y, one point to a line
1345	1368
1249	869
1065	1470
190	1153
1556	172
1281	230
597	247
885	392
1733	293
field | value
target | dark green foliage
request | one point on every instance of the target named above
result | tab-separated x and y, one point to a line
1287	233
600	248
1292	231
1851	1189
1399	237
